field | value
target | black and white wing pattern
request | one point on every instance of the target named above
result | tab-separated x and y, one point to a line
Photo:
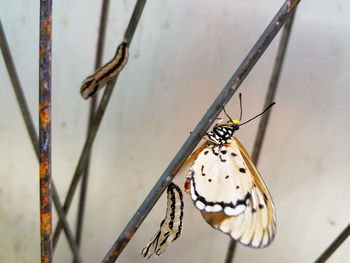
231	195
171	226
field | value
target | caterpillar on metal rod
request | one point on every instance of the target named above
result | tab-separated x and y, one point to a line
171	226
104	74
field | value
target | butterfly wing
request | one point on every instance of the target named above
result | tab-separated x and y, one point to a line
171	226
217	183
252	222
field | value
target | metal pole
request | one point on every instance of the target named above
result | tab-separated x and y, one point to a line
33	135
334	246
45	130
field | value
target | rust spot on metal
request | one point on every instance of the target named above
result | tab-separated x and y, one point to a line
173	171
282	18
41	51
47	27
113	255
44	167
120	244
44	202
291	5
46	226
235	82
130	234
44	114
44	85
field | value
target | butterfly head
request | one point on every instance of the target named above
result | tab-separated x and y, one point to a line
234	124
223	133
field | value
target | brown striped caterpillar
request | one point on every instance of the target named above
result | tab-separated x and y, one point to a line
104	74
171	226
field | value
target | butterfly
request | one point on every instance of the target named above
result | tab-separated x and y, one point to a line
226	187
170	227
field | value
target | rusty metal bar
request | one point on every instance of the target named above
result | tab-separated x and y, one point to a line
32	133
202	127
97	120
85	176
334	246
45	130
270	95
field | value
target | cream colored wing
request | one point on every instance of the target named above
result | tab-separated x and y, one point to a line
256	225
220	180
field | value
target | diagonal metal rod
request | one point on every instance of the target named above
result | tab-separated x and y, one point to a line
73	246
335	244
45	172
97	120
271	92
204	124
230	251
85	176
11	69
270	96
31	130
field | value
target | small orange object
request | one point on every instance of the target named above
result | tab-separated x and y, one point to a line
187	185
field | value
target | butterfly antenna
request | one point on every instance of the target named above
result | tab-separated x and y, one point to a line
227	114
240	106
273	103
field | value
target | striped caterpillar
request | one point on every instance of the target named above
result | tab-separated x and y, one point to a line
104	74
171	226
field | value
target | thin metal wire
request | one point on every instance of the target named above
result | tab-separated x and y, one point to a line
73	246
270	95
97	121
85	176
31	130
45	130
18	89
335	244
230	251
134	20
204	124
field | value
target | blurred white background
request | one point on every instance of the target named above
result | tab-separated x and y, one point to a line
182	55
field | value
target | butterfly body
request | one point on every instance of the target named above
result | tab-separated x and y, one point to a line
222	134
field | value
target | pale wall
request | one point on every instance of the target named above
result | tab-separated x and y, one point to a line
182	55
